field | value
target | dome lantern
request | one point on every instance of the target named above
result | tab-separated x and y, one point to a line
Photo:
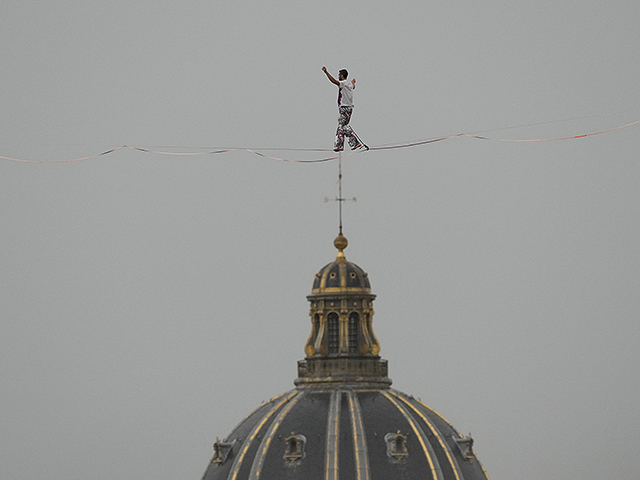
342	346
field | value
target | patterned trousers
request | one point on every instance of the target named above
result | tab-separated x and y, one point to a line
345	130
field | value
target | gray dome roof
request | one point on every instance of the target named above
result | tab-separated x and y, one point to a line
341	276
347	433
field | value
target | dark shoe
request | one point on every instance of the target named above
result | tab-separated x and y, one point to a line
338	149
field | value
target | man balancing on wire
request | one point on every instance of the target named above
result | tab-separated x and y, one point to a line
345	109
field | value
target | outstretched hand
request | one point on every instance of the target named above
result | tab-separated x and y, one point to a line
330	77
353	82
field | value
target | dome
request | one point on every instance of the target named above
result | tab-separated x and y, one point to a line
348	433
341	275
343	420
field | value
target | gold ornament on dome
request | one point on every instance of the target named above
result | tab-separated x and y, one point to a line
340	242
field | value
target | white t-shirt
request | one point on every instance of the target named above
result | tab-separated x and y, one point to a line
345	94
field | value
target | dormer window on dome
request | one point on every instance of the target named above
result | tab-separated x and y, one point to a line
396	445
221	451
294	447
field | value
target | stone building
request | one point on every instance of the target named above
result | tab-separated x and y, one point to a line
343	421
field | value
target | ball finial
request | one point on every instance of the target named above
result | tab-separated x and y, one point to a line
340	242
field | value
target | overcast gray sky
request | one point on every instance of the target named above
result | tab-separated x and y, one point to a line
149	302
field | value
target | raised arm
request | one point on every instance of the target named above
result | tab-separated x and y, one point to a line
330	77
